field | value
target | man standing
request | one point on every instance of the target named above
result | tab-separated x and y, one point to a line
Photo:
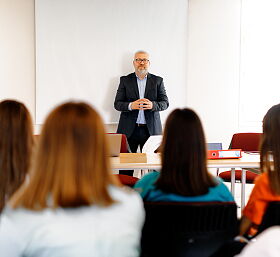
140	97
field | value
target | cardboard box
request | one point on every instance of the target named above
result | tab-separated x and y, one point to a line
133	158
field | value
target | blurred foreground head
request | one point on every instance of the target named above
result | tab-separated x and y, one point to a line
71	167
270	147
184	167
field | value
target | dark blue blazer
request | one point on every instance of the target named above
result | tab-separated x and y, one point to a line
128	92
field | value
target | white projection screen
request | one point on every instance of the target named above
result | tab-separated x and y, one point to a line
84	46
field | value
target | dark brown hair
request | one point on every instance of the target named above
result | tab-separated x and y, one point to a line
16	140
270	147
184	169
71	166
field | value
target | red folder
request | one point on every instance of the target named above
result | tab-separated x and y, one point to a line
224	154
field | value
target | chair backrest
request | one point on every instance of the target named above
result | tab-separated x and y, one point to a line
246	141
124	143
271	216
152	144
187	229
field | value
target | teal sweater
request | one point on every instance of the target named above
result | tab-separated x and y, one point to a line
147	189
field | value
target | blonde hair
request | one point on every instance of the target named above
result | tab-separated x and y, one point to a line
71	166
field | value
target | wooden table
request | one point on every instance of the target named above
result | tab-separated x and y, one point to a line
154	163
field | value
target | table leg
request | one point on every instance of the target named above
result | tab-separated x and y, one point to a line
243	183
232	179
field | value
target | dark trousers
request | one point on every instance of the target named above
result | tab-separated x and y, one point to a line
138	138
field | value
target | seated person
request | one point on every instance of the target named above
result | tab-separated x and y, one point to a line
16	142
184	176
267	185
71	205
265	245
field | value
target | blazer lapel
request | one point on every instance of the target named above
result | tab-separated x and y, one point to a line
148	85
135	86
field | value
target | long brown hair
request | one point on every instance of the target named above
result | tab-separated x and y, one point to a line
71	166
270	147
16	140
184	169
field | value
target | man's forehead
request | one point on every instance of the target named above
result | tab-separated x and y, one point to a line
141	55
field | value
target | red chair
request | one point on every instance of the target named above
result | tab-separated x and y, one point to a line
247	142
127	180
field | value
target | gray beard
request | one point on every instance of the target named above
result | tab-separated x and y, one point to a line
142	72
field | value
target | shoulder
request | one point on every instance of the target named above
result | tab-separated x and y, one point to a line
220	184
218	180
262	179
15	226
12	237
266	244
126	196
12	216
146	184
151	175
129	76
128	204
270	237
154	77
262	183
147	179
221	189
262	186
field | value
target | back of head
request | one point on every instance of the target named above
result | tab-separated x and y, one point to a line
71	166
16	140
184	168
270	147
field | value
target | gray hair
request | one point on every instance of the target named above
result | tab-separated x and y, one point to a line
141	52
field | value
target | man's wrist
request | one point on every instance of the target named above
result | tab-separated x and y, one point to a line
129	107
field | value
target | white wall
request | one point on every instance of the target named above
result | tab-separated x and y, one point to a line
17	65
76	58
260	55
213	61
213	66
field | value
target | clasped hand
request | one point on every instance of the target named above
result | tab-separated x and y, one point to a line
142	104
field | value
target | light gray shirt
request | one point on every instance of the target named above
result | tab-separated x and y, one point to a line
141	89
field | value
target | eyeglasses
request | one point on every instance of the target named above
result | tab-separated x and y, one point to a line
141	60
